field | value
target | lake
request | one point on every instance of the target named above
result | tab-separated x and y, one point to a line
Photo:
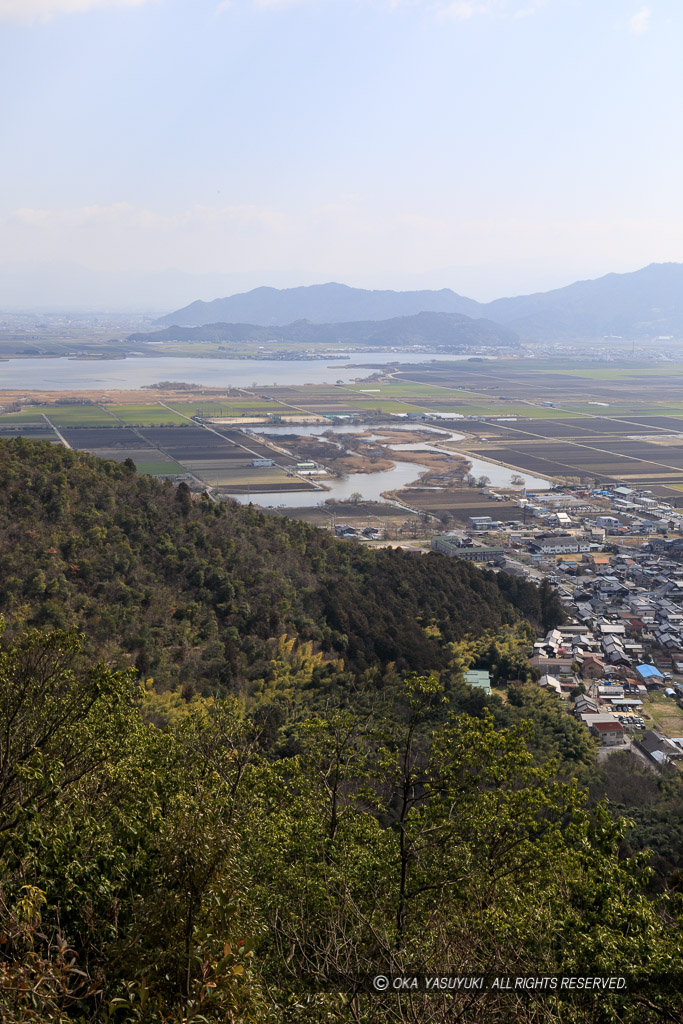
139	371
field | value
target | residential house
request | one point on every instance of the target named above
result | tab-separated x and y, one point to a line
660	748
610	734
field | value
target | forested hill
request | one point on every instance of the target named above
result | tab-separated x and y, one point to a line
431	328
322	303
193	593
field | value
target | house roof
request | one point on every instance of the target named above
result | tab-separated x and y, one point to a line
479	678
608	726
652	740
648	672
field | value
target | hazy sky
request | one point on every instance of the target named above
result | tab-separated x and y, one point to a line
492	146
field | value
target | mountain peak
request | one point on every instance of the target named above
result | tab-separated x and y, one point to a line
319	303
640	305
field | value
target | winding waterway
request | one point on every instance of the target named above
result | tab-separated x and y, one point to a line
371	485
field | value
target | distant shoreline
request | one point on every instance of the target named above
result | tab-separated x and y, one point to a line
343	359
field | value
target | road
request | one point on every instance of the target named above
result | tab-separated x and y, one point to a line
60	436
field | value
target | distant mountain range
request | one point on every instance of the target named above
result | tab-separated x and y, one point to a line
320	303
451	330
642	305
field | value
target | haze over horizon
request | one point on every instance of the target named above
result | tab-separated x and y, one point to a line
65	288
180	152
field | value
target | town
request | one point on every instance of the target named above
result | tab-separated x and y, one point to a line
615	557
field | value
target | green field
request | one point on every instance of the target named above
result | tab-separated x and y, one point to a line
34	415
63	415
246	407
370	404
142	415
406	397
405	389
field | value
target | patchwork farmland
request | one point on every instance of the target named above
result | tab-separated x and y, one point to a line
208	456
610	423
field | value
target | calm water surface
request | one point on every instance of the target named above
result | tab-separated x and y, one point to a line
138	371
371	485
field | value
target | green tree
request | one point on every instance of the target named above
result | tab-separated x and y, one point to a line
472	853
59	720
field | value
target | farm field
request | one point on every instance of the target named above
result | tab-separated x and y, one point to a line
147	460
224	471
615	423
356	514
665	714
158	467
234	407
243	478
62	415
458	503
573	388
393	389
368	403
281	485
215	458
88	439
144	415
35	431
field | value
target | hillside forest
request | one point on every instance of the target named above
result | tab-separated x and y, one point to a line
241	774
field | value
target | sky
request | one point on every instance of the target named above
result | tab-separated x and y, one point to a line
197	147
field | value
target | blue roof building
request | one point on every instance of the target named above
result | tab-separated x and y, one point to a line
649	672
480	679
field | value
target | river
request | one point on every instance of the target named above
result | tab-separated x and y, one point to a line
371	485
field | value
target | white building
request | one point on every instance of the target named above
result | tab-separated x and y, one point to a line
564	544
